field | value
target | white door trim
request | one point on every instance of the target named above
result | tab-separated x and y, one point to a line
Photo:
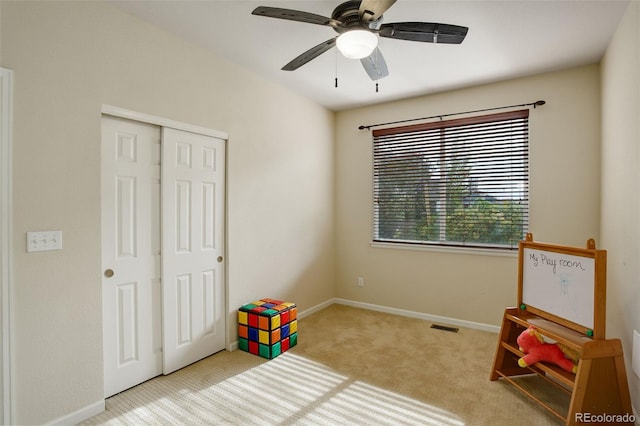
6	354
163	122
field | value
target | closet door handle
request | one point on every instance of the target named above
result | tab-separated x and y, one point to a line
220	259
108	273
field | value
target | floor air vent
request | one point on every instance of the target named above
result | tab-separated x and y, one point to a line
445	328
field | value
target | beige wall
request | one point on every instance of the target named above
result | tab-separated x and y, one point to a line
565	197
286	184
620	184
69	58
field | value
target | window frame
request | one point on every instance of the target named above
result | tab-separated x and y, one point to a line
521	117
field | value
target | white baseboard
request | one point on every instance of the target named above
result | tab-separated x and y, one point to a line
317	308
80	415
419	315
402	312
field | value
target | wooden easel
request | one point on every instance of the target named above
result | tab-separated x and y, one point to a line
599	387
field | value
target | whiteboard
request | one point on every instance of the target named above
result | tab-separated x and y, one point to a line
560	284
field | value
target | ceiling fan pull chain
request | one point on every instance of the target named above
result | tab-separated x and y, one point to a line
336	56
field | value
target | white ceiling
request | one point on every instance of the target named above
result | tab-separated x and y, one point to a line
506	39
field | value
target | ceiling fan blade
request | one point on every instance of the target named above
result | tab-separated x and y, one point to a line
375	65
429	32
310	54
370	10
291	15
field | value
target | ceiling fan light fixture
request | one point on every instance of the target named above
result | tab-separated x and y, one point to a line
357	44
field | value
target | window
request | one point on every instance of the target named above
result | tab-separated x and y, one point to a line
462	182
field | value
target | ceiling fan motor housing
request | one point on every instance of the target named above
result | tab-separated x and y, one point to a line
348	15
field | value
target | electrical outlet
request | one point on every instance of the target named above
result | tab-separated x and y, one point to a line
635	354
44	240
360	282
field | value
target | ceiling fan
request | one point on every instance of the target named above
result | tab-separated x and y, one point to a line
358	24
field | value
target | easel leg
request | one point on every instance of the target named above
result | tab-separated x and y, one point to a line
508	332
576	406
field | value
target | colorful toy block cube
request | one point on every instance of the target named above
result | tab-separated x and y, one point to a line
267	327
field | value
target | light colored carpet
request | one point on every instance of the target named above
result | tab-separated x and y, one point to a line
351	367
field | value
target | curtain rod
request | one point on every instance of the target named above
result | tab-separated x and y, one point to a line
535	104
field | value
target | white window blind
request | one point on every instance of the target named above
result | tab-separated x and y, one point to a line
462	182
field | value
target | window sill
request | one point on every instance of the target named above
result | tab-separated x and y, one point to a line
443	249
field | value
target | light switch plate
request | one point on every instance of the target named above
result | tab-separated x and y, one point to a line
44	240
635	354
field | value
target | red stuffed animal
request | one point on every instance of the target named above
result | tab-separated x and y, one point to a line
533	345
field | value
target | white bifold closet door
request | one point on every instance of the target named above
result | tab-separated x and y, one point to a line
192	247
131	287
162	244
